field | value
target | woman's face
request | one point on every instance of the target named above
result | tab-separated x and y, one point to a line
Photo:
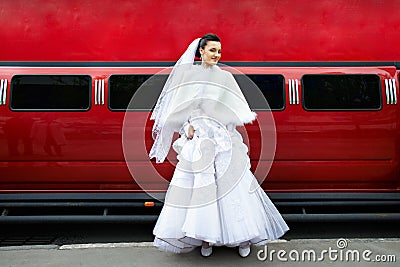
211	53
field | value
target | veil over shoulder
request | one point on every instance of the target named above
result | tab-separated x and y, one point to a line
163	135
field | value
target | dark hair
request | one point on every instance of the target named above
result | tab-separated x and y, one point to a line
203	42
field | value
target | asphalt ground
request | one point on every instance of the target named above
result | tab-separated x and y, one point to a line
84	233
296	252
306	244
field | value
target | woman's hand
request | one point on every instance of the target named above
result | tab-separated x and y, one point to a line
190	132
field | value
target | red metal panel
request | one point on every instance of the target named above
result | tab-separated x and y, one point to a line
316	151
251	30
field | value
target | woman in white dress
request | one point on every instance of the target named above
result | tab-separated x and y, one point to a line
213	198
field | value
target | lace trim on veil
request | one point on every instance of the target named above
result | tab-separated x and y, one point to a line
162	136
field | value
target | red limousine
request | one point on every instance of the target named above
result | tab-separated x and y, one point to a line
69	70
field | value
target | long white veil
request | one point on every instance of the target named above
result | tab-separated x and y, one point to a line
162	135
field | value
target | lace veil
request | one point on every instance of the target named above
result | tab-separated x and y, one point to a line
162	133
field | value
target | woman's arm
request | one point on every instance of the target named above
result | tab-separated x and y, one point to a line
190	132
187	130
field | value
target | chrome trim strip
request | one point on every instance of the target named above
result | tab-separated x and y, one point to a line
290	91
95	91
297	92
391	91
387	91
102	91
293	92
394	91
1	92
5	91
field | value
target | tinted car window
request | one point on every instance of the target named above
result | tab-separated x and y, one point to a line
341	92
50	92
122	88
271	86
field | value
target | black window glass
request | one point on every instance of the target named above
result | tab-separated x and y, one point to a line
50	92
123	87
341	91
271	88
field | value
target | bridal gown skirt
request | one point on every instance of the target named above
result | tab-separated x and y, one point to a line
221	203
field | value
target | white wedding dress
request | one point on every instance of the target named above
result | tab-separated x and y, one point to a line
213	196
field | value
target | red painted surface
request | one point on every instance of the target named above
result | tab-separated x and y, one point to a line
316	151
251	30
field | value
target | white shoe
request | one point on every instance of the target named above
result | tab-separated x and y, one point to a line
206	251
244	251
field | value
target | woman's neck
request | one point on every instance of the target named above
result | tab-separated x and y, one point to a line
206	65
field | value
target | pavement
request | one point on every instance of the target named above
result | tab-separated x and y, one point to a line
296	252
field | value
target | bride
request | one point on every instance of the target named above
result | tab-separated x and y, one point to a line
213	198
